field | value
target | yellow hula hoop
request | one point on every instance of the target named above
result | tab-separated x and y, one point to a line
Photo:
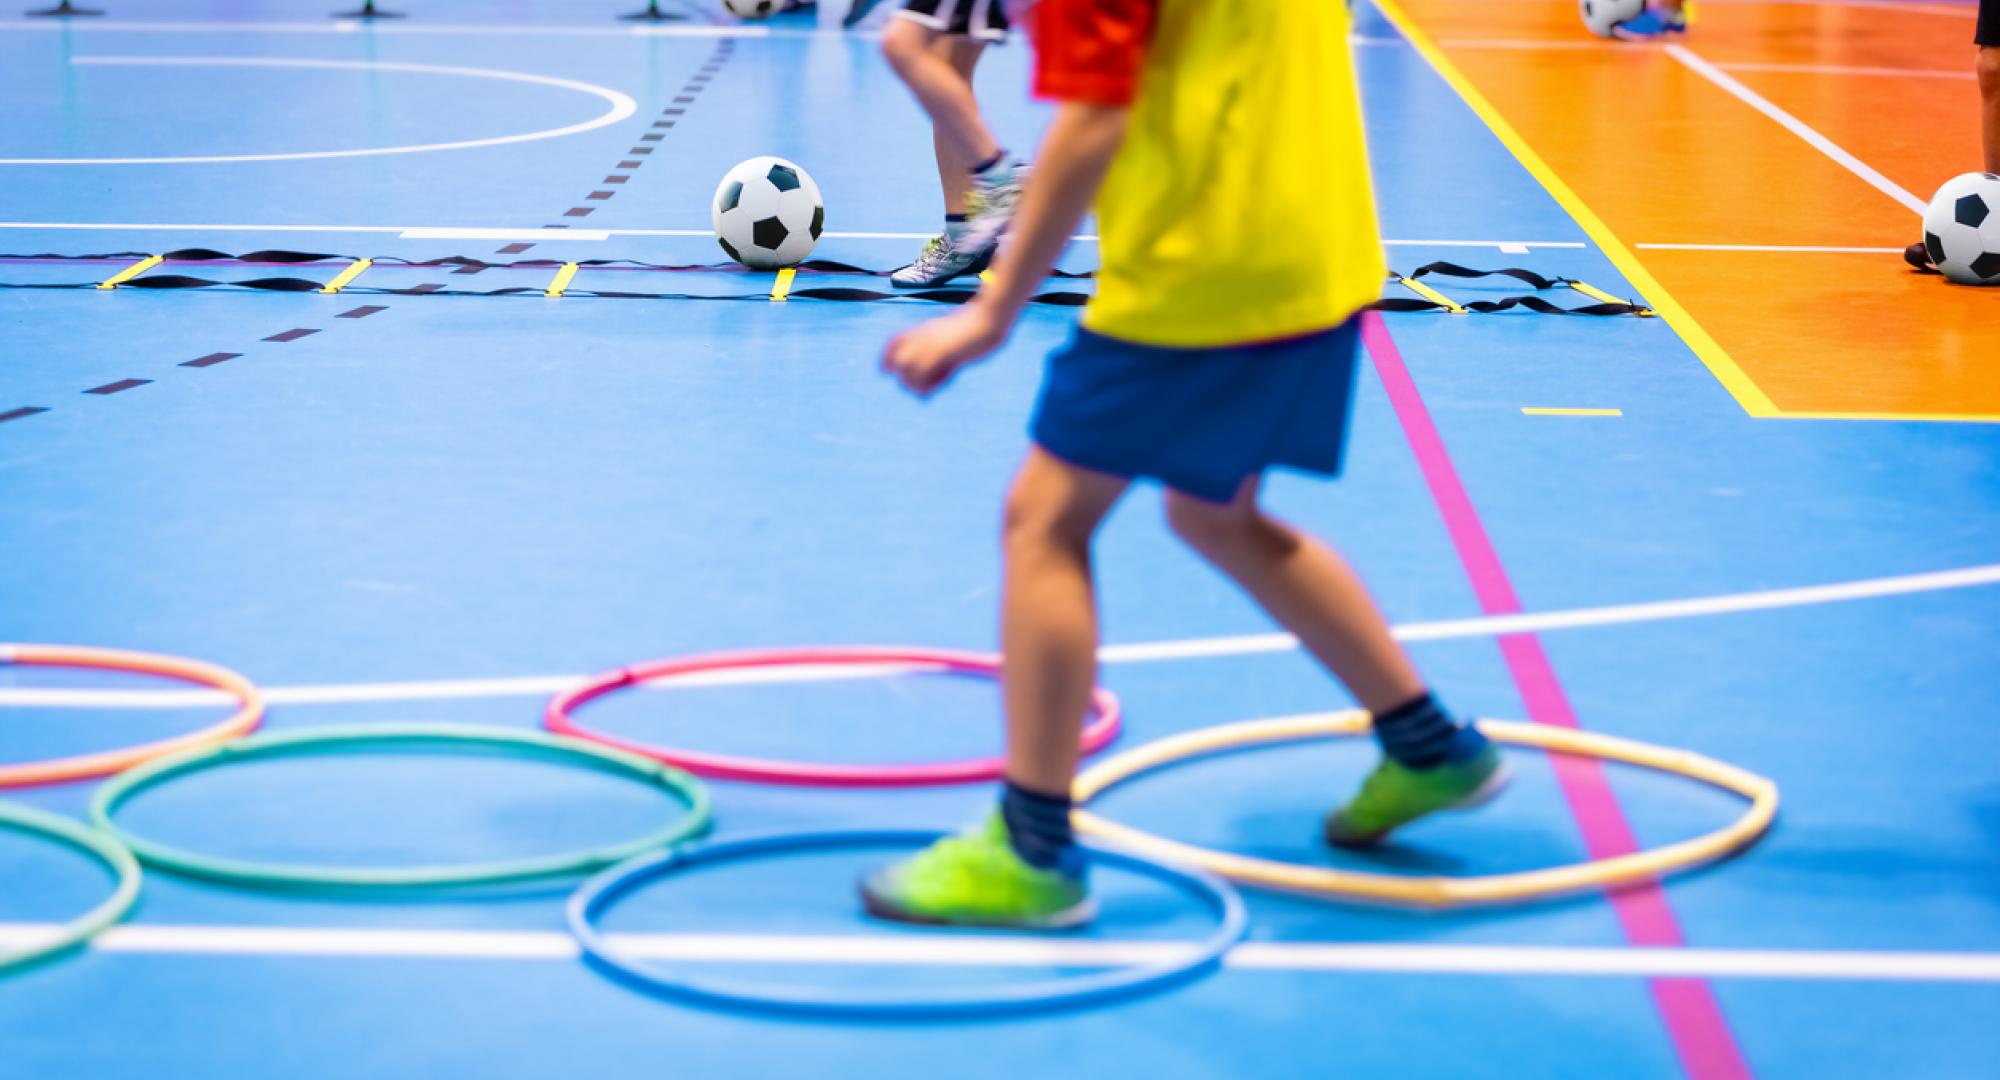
1432	892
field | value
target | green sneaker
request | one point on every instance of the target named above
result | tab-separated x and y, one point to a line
1395	795
975	879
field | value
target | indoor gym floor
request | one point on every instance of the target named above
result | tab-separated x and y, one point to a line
448	507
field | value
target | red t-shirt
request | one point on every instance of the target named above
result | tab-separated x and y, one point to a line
1090	51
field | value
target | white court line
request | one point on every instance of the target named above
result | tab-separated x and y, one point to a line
1796	126
1838	69
621	106
505	234
441	232
456	232
1804	248
1144	652
352	26
1900	7
908	950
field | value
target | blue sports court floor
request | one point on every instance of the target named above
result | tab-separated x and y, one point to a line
400	506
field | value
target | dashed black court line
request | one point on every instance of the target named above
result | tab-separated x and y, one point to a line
637	155
635	158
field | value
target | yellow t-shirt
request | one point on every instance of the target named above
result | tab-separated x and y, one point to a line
1240	207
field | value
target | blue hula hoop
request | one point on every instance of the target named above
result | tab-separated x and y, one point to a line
607	887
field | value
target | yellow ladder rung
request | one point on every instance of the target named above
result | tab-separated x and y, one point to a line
782	287
130	272
1603	297
346	277
563	278
1431	294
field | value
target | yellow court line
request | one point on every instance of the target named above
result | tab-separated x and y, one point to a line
782	287
1746	392
130	272
563	277
347	276
1947	418
1542	410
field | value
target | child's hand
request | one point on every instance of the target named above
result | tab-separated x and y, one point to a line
927	357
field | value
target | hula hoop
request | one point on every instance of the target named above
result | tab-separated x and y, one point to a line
91	842
1434	892
559	718
606	888
530	743
249	712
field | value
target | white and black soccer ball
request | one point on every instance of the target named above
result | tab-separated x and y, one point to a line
1604	16
1962	229
768	213
753	9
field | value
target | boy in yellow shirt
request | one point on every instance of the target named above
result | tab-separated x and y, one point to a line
1223	145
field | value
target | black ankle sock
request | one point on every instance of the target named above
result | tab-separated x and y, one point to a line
956	219
1037	824
1418	733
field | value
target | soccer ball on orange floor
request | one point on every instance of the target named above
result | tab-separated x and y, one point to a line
768	213
1603	16
752	9
1962	229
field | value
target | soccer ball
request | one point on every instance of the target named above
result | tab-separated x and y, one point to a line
1603	16
752	9
1962	229
768	213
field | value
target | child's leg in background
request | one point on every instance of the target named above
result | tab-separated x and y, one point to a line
954	165
942	89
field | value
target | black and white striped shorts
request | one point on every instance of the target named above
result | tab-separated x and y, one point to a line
983	20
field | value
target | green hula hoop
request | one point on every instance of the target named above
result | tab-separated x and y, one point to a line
92	842
681	786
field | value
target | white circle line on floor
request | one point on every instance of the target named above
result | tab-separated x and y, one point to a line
620	105
1140	652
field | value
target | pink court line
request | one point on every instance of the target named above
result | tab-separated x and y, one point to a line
1694	1020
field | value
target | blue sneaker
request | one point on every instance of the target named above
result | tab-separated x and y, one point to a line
1652	24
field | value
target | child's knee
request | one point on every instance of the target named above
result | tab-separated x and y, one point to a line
1208	526
1989	71
1036	517
905	44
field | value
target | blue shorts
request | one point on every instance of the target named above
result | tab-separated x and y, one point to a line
1200	421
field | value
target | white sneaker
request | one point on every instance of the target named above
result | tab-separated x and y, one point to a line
941	260
994	211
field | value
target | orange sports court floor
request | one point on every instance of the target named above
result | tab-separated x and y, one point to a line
1765	173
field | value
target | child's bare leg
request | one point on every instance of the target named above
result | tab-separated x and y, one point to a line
944	92
1306	587
1431	761
954	166
1049	616
1989	96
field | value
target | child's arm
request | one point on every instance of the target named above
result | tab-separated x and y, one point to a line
1074	157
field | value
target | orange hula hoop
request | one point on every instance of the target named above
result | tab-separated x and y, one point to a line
249	712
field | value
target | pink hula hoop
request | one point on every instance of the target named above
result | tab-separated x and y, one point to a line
557	718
